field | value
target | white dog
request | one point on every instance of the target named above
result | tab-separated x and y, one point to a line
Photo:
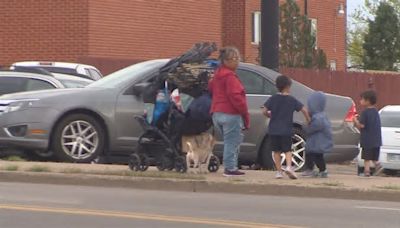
199	150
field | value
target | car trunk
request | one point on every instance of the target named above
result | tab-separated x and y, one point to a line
390	137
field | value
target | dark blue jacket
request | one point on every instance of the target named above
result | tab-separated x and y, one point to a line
319	132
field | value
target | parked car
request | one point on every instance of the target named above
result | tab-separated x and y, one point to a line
98	120
31	80
77	69
390	150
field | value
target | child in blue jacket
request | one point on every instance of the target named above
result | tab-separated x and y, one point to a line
319	136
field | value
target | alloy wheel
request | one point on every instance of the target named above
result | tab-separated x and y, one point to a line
79	139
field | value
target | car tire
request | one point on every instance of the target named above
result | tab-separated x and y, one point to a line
265	155
299	139
34	155
78	138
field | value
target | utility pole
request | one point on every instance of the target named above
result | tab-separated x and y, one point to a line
270	34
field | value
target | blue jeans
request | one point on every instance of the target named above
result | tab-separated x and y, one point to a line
230	127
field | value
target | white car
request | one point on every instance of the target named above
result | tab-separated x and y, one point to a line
77	69
390	150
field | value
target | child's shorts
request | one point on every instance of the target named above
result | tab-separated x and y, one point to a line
281	143
371	154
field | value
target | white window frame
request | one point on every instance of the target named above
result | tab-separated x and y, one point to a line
256	27
314	30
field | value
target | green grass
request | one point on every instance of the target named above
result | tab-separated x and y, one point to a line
13	158
331	184
10	168
39	168
72	170
151	174
390	187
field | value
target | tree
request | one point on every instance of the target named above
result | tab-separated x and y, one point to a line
382	42
297	44
359	21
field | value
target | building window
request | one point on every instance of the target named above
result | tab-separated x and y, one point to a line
314	31
256	27
332	65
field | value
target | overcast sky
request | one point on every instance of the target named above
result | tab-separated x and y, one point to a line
353	4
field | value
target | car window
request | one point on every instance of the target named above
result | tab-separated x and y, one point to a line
11	84
255	83
74	84
390	119
35	84
95	75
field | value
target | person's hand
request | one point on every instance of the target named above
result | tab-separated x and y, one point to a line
355	119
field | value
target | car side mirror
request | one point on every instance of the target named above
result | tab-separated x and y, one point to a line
138	89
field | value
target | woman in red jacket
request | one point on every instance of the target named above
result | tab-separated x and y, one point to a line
229	108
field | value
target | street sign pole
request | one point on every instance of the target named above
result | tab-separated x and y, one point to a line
270	34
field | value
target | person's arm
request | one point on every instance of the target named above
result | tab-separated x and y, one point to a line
306	115
315	125
357	122
210	86
237	97
266	112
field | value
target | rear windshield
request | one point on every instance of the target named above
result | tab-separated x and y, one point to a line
74	84
60	70
390	119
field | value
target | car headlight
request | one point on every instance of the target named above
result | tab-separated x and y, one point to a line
18	105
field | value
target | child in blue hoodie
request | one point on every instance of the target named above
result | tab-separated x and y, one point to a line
319	136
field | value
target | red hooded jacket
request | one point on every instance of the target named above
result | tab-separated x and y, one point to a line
228	94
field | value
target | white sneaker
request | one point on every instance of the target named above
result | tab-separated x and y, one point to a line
279	175
289	171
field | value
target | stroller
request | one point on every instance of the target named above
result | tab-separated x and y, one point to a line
165	122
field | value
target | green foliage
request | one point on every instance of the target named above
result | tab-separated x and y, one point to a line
359	23
297	44
382	42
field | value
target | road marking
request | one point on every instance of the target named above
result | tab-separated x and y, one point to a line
379	208
140	216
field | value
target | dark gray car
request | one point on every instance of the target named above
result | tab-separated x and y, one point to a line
98	120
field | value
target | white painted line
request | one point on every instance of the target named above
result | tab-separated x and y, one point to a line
379	208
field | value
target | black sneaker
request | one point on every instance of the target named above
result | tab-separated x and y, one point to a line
235	173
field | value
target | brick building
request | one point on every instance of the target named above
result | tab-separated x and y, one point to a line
114	33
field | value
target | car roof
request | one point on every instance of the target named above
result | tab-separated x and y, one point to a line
52	64
391	108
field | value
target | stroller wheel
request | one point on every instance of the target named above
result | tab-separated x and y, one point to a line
165	163
134	162
180	164
213	166
144	162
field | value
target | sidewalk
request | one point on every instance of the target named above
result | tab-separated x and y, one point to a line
342	182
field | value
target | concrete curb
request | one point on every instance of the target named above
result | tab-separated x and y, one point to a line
169	184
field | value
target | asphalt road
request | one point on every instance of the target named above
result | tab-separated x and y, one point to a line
42	206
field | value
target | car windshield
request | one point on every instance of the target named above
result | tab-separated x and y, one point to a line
390	119
128	75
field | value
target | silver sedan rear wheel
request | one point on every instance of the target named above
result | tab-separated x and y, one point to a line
298	152
79	139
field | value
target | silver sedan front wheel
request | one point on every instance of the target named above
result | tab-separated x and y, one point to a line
79	139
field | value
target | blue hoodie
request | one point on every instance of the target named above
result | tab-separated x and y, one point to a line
319	132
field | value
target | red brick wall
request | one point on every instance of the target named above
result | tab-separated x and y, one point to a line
233	25
151	29
42	30
331	29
